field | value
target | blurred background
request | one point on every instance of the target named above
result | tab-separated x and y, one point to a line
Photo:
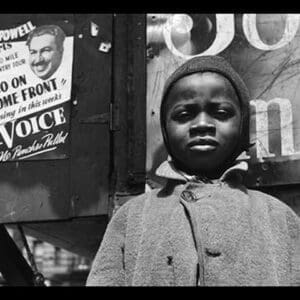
58	266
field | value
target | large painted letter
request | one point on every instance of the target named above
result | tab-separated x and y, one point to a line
224	33
262	127
250	31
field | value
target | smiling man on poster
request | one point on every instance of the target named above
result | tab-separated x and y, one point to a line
45	45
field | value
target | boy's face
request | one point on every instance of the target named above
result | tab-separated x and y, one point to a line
202	121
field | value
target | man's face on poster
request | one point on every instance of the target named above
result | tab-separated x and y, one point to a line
45	56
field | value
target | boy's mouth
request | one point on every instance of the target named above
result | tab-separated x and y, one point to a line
203	144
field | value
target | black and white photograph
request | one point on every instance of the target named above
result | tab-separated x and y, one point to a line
150	149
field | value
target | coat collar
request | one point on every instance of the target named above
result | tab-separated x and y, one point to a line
169	171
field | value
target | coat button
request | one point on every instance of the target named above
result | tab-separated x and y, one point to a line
188	196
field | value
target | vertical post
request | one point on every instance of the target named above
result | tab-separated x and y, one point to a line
136	88
13	265
129	100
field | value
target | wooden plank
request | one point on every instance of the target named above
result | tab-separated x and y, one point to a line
129	79
90	143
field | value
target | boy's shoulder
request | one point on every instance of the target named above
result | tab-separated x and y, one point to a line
266	198
280	213
273	204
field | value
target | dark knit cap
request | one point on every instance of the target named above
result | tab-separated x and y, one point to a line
218	65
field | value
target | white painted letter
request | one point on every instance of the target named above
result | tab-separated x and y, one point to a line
250	31
8	139
224	34
262	127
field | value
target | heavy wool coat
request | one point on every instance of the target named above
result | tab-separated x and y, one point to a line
197	234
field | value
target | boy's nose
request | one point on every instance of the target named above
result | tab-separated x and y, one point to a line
203	122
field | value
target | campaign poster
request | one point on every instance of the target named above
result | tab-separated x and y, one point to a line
35	91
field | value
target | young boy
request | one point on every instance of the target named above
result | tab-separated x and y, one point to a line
204	227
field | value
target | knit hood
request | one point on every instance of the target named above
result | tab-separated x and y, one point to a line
218	65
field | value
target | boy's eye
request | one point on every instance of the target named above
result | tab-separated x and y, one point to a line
182	116
223	113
